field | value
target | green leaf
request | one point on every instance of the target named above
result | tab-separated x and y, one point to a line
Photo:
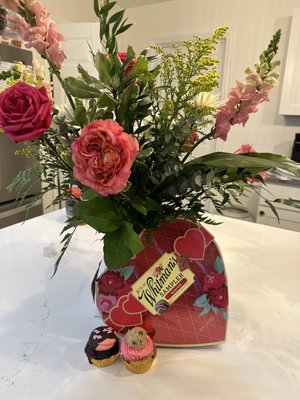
140	208
130	54
201	301
288	202
273	209
90	194
214	309
100	213
102	64
80	115
106	8
225	315
206	310
132	239
117	25
127	97
126	272
96	7
145	153
77	88
142	129
139	69
72	223
116	253
117	16
107	101
147	202
123	28
112	45
121	245
251	162
88	78
219	265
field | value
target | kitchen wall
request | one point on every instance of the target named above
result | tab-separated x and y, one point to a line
71	10
251	27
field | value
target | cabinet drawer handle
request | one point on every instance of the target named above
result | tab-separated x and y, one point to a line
261	213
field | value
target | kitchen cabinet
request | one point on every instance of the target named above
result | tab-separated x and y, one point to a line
290	95
289	216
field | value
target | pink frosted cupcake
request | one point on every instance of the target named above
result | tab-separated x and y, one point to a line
137	350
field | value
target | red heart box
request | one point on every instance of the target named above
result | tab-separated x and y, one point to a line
199	315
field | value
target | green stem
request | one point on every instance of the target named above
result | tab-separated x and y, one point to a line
208	136
55	71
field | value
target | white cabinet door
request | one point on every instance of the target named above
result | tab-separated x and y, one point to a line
79	38
289	216
290	96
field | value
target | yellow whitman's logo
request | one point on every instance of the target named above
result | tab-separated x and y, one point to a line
162	284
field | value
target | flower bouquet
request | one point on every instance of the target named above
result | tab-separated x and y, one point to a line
123	146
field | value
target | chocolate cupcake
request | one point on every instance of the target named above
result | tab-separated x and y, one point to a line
102	349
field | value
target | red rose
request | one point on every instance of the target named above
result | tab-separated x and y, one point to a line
112	283
218	297
213	281
122	55
190	141
25	112
103	156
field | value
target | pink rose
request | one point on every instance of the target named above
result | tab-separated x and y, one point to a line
25	112
103	156
213	281
105	303
218	297
247	148
122	55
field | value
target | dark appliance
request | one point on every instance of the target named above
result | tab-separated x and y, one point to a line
296	148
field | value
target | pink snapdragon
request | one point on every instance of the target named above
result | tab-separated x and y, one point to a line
43	37
242	101
248	148
11	5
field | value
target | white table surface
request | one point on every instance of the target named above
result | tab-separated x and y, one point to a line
44	324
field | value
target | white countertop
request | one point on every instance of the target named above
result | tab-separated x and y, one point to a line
44	324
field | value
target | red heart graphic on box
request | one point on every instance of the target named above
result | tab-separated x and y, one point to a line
191	244
119	317
181	324
132	305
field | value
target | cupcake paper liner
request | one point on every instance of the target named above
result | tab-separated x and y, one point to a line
105	362
140	366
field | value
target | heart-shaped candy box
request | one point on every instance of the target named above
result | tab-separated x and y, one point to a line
198	316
